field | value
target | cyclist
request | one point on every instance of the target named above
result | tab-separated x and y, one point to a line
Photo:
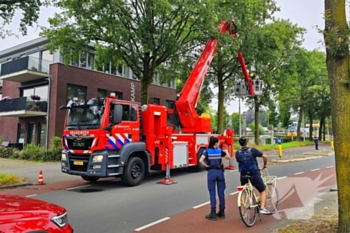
211	159
248	165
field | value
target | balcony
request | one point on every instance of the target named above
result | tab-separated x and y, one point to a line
24	69
23	107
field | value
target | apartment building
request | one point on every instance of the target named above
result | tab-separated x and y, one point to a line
35	83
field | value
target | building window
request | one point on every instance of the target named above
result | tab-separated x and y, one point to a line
76	91
156	78
170	104
42	134
36	55
47	56
113	69
83	59
22	131
118	94
156	101
41	91
101	93
120	71
91	61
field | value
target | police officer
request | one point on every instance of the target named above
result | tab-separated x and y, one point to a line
211	159
316	142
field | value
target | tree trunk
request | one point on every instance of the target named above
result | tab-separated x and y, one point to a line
256	121
299	123
146	81
321	129
311	128
338	75
221	100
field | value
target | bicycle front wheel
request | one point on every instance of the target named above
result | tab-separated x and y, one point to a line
247	208
271	198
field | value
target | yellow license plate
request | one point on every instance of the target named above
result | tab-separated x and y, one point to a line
80	163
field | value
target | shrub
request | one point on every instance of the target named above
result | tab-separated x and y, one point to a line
31	152
56	143
6	152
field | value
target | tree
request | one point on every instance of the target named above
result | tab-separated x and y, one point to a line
235	122
269	46
140	34
225	68
336	37
30	9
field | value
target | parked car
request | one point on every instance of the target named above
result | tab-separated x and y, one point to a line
28	215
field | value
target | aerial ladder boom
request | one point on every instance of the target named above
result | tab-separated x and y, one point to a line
189	96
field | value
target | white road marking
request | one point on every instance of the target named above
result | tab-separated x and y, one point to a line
31	195
234	193
315	169
280	178
298	173
330	167
196	207
151	224
78	187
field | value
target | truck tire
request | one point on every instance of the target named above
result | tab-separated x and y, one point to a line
199	166
134	172
90	178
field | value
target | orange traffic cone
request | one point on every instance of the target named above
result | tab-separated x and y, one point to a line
40	179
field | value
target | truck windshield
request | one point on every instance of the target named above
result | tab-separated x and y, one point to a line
85	116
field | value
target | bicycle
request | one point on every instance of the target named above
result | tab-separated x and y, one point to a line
249	203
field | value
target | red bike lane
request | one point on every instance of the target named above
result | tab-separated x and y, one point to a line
295	192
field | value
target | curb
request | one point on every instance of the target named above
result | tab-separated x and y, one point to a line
15	185
301	159
296	160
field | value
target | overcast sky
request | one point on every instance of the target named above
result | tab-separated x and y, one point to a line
305	13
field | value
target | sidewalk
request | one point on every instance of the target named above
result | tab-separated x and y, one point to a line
322	208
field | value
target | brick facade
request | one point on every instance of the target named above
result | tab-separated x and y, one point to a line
63	75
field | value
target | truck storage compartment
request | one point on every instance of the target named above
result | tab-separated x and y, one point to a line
180	154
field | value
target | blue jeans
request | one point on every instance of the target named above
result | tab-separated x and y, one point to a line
216	178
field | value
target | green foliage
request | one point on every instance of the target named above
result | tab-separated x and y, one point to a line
56	143
6	152
144	35
235	122
30	14
33	152
261	128
10	179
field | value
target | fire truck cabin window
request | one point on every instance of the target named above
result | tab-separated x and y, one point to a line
129	113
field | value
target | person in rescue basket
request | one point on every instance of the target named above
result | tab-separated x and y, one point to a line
211	159
248	165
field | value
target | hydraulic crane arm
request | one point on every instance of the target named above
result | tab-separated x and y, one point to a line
189	96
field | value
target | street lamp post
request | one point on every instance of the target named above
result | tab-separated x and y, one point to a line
239	117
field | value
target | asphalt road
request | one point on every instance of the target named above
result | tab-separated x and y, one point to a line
108	206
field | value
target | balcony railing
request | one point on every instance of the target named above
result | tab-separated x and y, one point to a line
23	106
25	69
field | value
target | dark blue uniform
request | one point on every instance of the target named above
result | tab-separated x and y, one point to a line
215	176
256	179
316	142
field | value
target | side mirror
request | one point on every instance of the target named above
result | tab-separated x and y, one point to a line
117	114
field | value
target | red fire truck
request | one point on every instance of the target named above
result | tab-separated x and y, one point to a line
116	138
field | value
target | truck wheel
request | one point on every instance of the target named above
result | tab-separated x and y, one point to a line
134	172
90	178
199	166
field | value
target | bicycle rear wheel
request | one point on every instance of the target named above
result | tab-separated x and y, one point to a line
272	198
246	209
